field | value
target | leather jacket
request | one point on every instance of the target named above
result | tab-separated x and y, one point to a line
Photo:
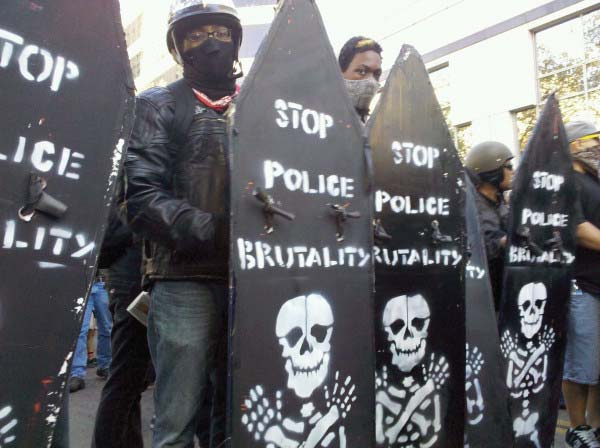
178	194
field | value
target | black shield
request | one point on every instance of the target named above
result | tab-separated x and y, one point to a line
537	279
419	300
67	101
302	335
488	419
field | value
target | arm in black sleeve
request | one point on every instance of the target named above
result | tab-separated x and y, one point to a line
152	209
492	233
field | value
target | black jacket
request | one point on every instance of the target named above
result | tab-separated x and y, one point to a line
177	194
493	219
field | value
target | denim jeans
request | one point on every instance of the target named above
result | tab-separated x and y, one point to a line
118	420
187	334
98	302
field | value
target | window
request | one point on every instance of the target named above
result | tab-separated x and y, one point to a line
133	30
463	139
440	80
462	134
568	63
171	75
136	62
524	120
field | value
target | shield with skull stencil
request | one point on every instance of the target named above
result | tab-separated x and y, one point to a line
532	303
406	322
304	328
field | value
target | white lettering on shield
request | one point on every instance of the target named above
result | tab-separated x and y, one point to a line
298	117
543	180
296	180
54	68
57	241
408	205
416	257
45	157
259	255
408	153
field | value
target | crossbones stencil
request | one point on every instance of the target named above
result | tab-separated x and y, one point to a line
7	426
304	329
408	409
473	394
528	362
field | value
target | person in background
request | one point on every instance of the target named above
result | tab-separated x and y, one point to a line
360	63
489	165
98	303
118	418
582	355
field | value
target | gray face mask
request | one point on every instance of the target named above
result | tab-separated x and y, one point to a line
361	93
590	157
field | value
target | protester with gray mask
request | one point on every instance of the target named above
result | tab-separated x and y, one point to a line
360	62
581	387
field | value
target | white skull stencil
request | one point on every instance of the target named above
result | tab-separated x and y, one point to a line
532	303
304	327
406	322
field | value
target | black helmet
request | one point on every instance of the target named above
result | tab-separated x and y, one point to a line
187	13
486	161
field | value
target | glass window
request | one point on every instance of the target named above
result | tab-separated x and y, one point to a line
524	121
136	63
568	63
463	139
440	81
134	30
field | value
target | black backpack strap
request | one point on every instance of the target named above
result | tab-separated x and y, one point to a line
184	110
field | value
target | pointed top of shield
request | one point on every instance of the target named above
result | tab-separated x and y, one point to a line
547	149
409	102
544	182
296	63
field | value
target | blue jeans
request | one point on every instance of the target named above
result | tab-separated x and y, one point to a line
582	352
98	302
187	331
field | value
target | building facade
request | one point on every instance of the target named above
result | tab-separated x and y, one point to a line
492	63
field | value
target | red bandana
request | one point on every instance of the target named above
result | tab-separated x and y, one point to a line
219	105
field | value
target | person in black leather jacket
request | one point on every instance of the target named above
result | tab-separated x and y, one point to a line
178	200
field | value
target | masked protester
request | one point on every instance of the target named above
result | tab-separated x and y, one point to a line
360	62
490	168
177	200
582	356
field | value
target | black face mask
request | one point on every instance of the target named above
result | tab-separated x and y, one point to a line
210	65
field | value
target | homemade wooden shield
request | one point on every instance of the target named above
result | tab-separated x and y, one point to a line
488	419
537	279
67	101
419	299
302	355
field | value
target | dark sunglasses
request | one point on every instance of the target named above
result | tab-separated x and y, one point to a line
509	166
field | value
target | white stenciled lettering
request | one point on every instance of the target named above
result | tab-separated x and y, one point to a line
56	241
296	180
411	154
45	157
475	272
412	206
546	181
416	257
54	69
543	219
524	255
260	255
310	121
